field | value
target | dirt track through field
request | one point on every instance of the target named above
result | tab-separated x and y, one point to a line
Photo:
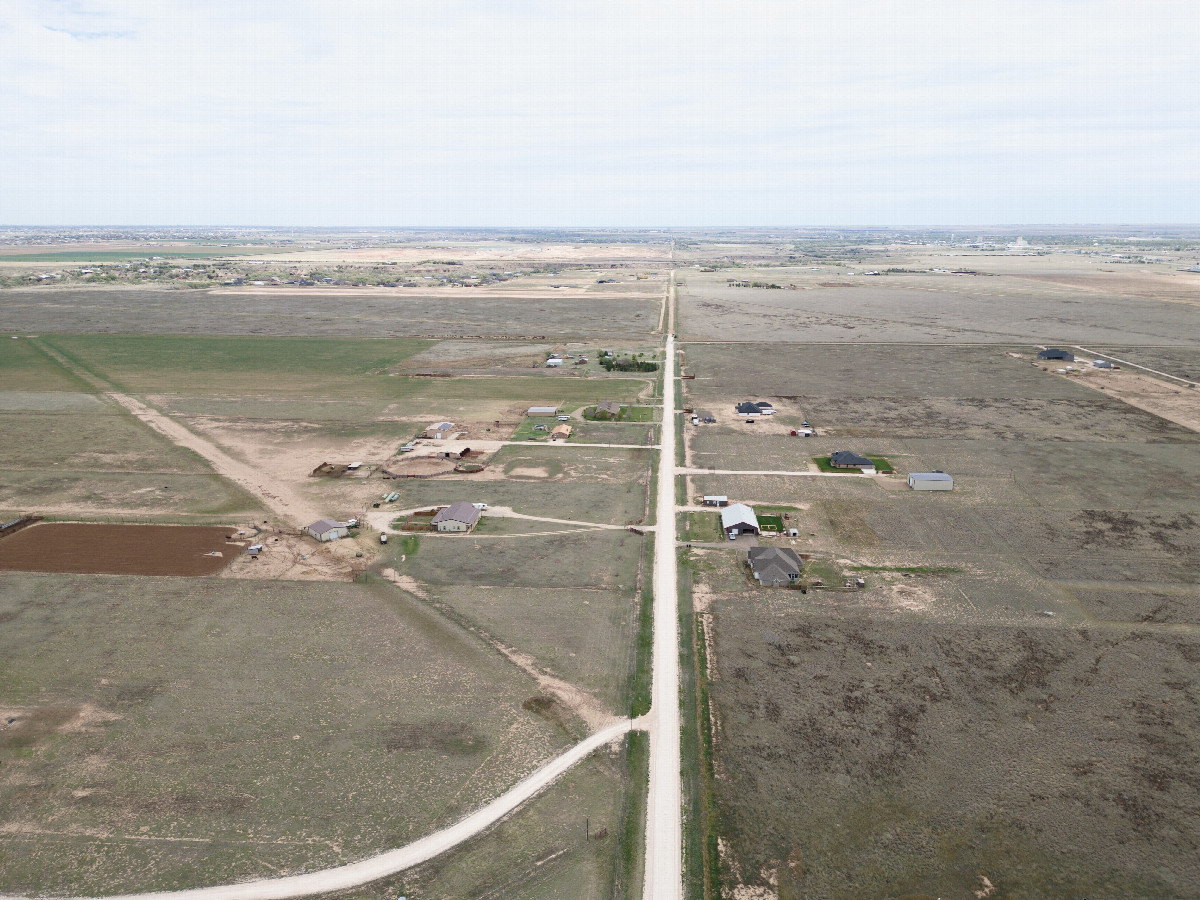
274	496
271	494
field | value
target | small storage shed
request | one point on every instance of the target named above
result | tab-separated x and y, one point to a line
738	519
930	481
327	530
458	516
716	500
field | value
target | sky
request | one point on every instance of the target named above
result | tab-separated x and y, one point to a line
637	113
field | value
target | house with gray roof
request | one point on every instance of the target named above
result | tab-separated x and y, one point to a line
458	516
845	459
1054	353
774	566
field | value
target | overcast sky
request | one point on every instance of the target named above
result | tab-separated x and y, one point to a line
613	112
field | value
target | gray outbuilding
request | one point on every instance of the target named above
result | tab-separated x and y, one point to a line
930	481
738	519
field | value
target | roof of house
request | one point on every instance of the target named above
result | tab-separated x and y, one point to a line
738	514
847	458
748	407
458	511
562	429
609	406
1054	353
441	426
322	525
774	563
929	476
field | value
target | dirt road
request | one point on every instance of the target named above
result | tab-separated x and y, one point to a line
273	495
664	820
695	471
393	861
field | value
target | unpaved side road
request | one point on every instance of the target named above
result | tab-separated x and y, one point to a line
664	817
284	504
393	861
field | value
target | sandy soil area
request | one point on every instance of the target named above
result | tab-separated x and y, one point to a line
1173	402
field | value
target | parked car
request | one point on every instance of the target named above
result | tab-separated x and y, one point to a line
383	537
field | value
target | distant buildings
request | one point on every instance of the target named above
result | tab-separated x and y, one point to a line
1053	353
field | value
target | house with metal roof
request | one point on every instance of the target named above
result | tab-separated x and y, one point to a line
458	516
930	481
327	530
774	566
738	519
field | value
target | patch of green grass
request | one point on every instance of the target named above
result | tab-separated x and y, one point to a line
627	881
643	666
702	527
882	466
23	367
768	522
190	364
528	430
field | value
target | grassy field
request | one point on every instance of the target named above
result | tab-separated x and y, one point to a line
1001	306
169	364
375	313
296	726
1041	613
547	849
25	368
879	793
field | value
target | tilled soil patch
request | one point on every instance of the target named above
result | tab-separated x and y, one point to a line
118	549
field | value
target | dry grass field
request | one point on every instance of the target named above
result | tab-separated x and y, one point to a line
163	733
1012	695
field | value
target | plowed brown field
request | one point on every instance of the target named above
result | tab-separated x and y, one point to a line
118	549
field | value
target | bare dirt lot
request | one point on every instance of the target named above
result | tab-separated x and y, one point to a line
119	549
